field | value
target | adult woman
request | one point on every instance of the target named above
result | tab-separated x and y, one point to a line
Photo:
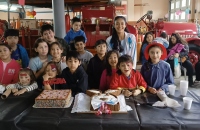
121	40
148	38
178	48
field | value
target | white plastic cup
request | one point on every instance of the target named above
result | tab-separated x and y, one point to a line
187	102
172	89
183	87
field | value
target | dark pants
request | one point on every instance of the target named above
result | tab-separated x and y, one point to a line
197	70
188	65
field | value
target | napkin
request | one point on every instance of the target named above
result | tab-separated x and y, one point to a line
165	101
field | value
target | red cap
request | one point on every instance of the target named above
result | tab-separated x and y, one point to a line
146	51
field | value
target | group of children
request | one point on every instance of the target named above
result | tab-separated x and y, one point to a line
60	64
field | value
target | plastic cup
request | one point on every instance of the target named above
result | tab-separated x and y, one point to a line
187	102
183	87
172	89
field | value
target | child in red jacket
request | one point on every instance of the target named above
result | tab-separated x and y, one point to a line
128	79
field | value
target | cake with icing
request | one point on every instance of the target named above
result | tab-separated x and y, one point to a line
53	99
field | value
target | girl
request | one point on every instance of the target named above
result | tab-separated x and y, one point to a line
127	78
111	68
56	51
178	48
50	80
148	38
9	68
156	72
121	40
39	62
26	83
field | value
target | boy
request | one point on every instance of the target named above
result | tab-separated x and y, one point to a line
19	53
97	64
48	35
75	31
74	75
85	56
162	39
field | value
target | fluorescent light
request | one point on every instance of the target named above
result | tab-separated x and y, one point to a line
5	7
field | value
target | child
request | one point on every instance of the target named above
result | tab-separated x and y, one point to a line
39	62
75	76
19	53
127	78
26	83
162	39
97	64
56	51
80	48
9	68
51	79
111	68
75	31
156	72
48	35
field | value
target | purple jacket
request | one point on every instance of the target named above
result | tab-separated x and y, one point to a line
176	49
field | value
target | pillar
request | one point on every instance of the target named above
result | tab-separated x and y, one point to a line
59	18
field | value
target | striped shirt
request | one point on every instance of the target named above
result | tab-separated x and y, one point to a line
19	86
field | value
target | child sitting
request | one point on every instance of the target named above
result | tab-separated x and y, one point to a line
9	68
51	79
26	84
19	53
128	79
75	31
97	64
111	68
75	76
156	72
79	43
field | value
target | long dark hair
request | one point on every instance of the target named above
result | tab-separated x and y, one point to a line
179	39
144	42
108	66
115	38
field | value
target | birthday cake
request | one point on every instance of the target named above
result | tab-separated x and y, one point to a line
53	99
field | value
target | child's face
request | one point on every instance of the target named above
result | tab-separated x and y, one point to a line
12	40
149	38
51	70
120	25
101	49
5	53
24	78
56	51
48	35
113	59
126	68
76	26
80	46
73	64
155	54
42	49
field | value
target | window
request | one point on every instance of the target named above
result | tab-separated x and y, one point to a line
172	5
183	15
176	17
177	4
172	16
183	3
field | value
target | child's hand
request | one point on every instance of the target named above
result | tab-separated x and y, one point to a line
176	55
152	90
46	77
20	92
136	92
14	90
126	93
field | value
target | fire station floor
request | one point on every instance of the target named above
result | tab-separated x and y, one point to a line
177	82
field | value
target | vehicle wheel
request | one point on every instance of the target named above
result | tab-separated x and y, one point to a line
194	53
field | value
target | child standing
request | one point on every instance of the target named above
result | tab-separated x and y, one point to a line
9	68
56	51
127	78
97	64
19	53
26	83
75	31
156	72
85	56
111	68
39	62
75	76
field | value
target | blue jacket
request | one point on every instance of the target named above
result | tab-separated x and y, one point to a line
23	55
71	35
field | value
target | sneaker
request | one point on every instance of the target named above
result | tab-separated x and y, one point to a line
196	84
